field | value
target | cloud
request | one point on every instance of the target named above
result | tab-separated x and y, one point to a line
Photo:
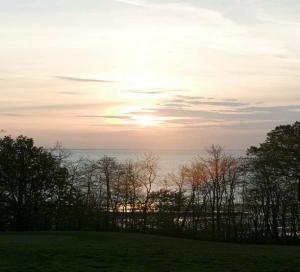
218	103
254	125
224	103
138	3
187	113
125	126
259	125
189	97
68	93
85	79
188	101
120	117
146	92
44	107
175	105
10	114
221	29
272	109
237	114
193	122
156	91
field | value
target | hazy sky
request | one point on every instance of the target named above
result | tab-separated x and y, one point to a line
146	73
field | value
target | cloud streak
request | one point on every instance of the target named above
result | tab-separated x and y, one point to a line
156	91
46	107
118	117
189	101
196	111
79	79
68	93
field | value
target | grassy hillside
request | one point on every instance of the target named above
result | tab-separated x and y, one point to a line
136	252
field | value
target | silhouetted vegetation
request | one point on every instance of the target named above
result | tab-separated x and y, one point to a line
218	197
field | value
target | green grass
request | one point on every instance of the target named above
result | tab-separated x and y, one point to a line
90	251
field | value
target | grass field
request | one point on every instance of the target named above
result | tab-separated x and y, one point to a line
88	252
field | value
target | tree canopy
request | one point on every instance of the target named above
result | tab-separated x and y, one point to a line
217	196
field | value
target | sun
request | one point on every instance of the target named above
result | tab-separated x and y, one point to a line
146	121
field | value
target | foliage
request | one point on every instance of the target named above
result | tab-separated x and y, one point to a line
217	197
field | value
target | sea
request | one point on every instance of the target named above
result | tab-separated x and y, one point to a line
168	160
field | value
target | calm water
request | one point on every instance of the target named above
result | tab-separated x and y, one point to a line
169	160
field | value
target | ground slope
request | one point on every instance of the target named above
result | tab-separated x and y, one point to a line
86	251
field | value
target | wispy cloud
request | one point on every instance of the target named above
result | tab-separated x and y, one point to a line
139	3
68	93
45	107
193	111
217	29
118	117
157	91
147	92
79	79
249	113
10	114
188	101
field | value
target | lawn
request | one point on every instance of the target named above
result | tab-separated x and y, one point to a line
91	251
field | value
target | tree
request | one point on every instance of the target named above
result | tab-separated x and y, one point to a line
147	175
276	168
109	176
31	181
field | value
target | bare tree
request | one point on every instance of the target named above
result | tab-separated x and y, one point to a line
148	168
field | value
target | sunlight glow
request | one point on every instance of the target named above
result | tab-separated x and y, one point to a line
146	121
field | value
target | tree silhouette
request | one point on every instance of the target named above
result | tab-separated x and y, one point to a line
31	183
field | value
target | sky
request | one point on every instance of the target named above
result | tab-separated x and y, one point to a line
147	73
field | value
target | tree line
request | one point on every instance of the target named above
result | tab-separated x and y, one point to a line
252	198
